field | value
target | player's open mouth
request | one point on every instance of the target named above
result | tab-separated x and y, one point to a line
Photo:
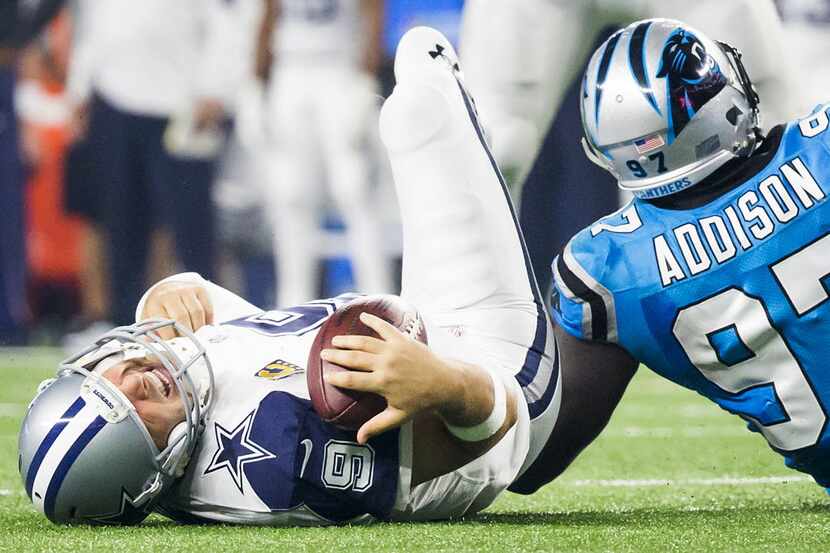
161	379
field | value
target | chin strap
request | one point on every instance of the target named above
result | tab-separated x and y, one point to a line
179	457
198	371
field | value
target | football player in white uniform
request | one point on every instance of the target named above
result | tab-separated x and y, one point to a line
216	424
320	59
539	45
807	36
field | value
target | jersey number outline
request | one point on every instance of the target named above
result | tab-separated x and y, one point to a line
348	466
815	124
800	276
293	321
629	215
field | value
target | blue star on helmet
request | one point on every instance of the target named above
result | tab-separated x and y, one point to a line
128	513
235	449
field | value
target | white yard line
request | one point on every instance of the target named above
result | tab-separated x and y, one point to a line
671	432
721	481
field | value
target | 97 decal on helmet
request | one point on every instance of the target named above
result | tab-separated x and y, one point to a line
85	455
663	107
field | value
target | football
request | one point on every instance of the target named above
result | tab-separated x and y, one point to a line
349	409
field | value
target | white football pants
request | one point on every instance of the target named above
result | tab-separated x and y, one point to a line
464	263
320	136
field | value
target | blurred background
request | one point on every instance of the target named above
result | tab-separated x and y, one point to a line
238	138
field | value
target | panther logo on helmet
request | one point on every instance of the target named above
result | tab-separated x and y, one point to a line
693	78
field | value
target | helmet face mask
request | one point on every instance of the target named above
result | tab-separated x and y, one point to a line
663	107
85	454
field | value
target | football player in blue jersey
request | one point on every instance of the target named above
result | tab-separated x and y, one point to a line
715	274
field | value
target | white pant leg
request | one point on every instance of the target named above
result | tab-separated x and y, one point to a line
519	58
293	189
347	106
464	263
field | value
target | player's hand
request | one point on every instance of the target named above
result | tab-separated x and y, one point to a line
186	303
208	113
263	62
78	124
403	370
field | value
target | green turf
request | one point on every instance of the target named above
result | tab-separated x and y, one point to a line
660	432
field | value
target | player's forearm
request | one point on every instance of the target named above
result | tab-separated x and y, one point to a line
225	304
437	450
265	39
372	11
470	394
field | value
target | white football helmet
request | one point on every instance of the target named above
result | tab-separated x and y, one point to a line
663	106
85	455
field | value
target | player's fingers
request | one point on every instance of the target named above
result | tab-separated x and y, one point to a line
386	420
176	310
204	299
363	343
352	359
352	380
385	330
195	310
153	309
167	332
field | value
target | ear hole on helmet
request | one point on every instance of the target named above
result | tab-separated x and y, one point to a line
72	512
732	115
37	495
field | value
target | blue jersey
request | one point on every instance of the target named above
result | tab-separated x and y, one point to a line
729	298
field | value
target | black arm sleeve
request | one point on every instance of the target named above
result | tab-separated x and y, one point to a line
594	377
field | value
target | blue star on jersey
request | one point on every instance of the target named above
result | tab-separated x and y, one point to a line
235	449
293	461
730	299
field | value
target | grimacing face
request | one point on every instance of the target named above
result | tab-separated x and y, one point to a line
150	388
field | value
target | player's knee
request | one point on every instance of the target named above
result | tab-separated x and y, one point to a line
412	116
423	55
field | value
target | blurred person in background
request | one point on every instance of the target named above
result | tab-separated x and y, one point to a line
320	61
149	83
540	47
807	36
53	238
20	22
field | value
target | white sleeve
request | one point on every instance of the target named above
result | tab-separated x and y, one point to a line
225	59
226	305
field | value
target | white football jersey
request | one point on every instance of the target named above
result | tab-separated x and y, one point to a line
265	457
324	30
